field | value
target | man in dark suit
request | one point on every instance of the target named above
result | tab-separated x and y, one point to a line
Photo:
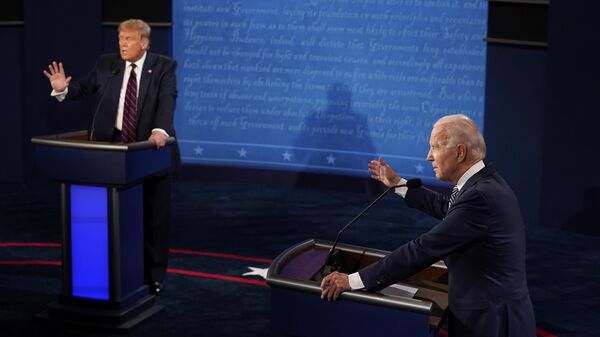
481	238
136	93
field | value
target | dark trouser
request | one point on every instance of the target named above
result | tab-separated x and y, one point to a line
157	213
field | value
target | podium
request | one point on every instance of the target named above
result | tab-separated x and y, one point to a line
102	228
298	310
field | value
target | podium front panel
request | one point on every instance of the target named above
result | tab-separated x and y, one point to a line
294	313
89	242
99	166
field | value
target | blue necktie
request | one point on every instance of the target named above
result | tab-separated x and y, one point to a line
455	191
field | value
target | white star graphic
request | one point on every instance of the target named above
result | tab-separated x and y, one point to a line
262	272
287	156
330	159
419	168
198	150
242	152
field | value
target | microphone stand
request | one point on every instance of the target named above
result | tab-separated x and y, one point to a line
337	238
113	73
330	261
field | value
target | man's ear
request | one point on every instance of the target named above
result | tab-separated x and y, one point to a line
145	43
461	152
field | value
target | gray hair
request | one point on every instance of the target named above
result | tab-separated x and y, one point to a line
461	129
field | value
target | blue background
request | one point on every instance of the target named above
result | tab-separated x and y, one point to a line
324	86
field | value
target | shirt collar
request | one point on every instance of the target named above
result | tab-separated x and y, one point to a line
139	63
478	166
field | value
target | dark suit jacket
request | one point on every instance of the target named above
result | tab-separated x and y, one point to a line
482	241
156	96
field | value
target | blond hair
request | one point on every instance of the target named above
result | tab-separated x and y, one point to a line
136	25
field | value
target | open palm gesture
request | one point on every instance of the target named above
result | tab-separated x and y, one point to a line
56	75
381	171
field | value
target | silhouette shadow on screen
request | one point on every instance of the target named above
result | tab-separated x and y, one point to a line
335	139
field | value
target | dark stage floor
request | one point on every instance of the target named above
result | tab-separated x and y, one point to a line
221	229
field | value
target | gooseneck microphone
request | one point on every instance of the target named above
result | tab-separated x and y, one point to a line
329	262
114	72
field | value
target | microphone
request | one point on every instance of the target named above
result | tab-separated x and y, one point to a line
330	261
114	72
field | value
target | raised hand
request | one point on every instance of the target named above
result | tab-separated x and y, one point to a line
56	74
383	172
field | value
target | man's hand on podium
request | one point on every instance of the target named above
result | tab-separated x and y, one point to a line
158	138
58	80
333	285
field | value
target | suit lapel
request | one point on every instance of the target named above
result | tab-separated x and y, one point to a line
117	83
145	79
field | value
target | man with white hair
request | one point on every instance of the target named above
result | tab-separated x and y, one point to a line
481	238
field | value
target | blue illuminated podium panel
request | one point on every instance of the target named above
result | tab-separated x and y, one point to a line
89	241
102	227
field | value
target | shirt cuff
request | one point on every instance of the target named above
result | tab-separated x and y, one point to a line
401	191
355	281
60	96
162	131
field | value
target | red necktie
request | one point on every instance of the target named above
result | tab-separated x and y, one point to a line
130	109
